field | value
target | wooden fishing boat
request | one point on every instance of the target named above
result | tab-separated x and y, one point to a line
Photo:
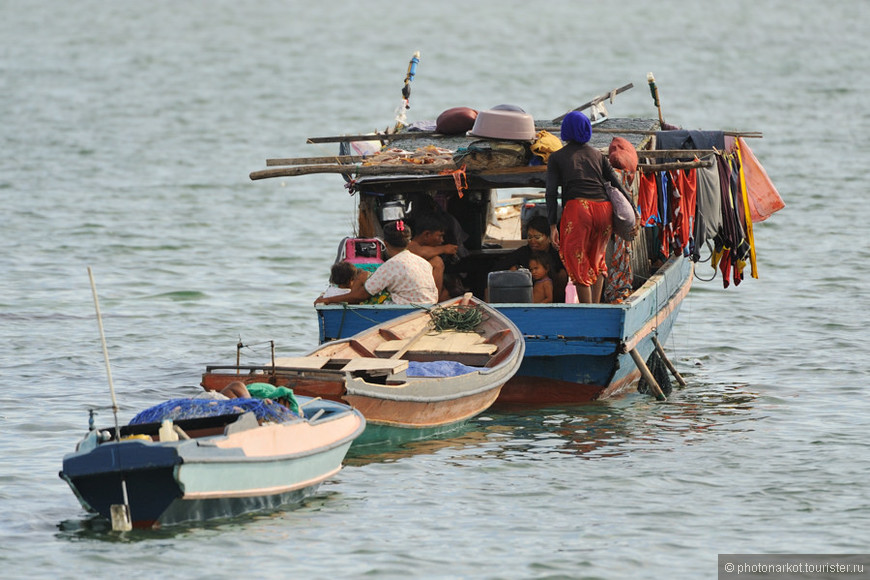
574	353
419	375
229	462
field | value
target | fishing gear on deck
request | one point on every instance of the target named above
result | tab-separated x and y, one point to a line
406	93
458	317
412	71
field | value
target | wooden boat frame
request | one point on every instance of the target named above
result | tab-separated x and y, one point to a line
369	371
575	353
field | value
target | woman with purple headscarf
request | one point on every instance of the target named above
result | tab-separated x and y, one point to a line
580	171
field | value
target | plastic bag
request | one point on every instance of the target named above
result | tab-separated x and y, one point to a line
624	215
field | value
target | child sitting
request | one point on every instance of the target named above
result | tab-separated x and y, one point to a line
343	277
539	266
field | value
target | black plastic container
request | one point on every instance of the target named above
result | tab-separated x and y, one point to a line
510	286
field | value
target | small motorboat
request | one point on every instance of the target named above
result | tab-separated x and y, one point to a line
197	459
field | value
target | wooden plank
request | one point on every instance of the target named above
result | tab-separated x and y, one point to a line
403	168
376	364
302	362
313	160
388	334
446	343
360	347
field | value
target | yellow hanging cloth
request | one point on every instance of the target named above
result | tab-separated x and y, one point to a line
749	236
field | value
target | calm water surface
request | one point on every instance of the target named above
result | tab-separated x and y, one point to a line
128	133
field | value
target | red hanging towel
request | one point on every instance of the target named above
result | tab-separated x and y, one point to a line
647	198
687	184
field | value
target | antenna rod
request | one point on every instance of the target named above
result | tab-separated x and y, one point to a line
121	520
105	352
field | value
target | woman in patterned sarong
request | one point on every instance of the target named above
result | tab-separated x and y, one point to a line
580	171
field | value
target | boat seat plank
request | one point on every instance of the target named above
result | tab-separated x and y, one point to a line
376	364
314	363
302	362
441	342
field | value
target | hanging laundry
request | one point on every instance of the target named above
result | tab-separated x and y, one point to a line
647	198
764	199
708	211
686	184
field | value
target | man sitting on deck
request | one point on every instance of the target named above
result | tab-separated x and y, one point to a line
428	243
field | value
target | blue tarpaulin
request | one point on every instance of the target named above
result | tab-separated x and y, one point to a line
439	368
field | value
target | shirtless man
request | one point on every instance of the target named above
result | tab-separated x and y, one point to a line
428	243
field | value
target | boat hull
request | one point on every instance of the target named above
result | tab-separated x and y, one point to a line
574	353
388	421
218	476
394	421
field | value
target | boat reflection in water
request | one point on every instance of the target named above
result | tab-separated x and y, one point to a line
590	431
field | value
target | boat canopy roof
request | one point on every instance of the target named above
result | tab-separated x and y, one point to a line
638	132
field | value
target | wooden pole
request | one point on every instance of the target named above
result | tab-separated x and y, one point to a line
653	167
654	90
668	362
675	153
120	513
403	168
413	340
744	134
313	160
431	135
596	100
647	375
377	137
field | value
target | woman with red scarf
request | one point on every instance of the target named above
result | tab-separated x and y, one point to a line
580	171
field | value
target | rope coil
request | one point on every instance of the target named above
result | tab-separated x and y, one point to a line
458	317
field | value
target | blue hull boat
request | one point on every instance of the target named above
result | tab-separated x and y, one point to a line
220	466
575	353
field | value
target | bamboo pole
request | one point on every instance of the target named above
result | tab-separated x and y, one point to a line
675	153
120	513
647	375
377	137
668	362
313	160
654	167
596	100
404	168
350	159
431	135
744	134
